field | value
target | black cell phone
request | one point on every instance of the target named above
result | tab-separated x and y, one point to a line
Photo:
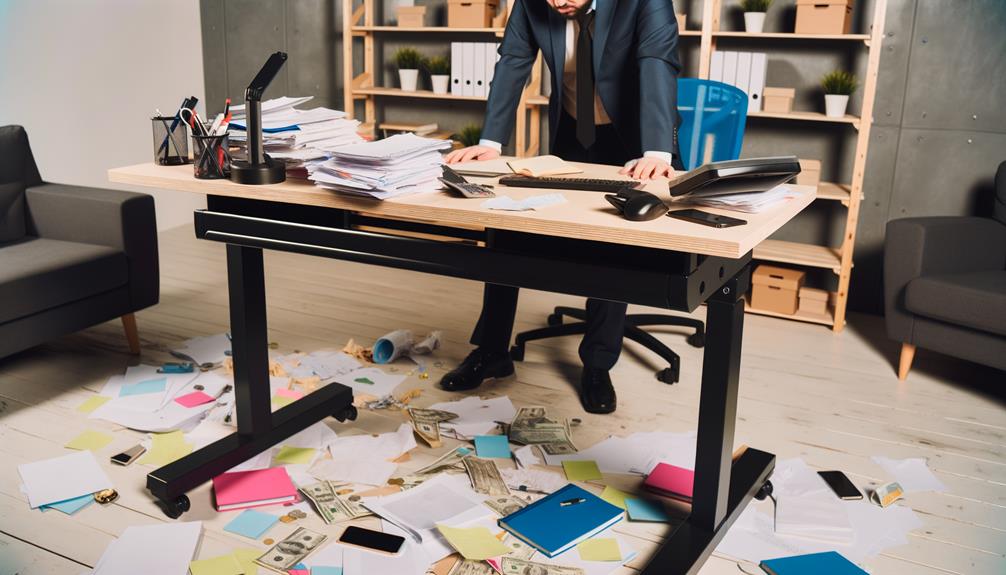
706	219
128	456
372	540
840	484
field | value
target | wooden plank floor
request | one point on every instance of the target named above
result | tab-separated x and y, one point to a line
830	399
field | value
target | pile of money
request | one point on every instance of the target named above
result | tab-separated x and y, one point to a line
330	505
471	567
485	476
531	426
505	505
426	423
513	566
282	556
887	494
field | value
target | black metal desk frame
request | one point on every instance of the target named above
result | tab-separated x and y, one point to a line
661	278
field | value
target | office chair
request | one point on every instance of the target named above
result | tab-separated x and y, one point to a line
711	129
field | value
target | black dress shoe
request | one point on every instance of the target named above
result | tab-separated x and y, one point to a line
479	366
596	392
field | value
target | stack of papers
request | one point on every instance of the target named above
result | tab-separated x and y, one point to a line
751	203
144	400
399	165
153	550
62	478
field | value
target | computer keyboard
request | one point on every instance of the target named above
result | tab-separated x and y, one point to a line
587	184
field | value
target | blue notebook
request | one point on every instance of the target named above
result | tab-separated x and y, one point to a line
555	523
828	563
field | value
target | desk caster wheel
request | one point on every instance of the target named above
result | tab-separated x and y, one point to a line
346	413
669	375
517	352
174	509
697	339
555	319
765	491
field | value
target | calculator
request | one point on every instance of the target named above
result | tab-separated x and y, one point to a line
458	183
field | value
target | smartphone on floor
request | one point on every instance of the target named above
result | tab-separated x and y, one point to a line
706	219
840	484
371	540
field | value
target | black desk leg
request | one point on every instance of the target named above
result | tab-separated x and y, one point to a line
249	339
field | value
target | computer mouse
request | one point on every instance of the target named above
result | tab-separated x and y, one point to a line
636	205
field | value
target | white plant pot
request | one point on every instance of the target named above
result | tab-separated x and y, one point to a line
440	82
409	79
754	22
835	105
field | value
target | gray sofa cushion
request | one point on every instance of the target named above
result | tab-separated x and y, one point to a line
37	274
12	218
976	300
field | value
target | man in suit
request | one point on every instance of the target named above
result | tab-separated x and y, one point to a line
614	75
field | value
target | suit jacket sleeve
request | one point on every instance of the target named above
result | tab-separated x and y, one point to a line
517	54
657	53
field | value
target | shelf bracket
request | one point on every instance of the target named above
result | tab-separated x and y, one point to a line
362	81
357	16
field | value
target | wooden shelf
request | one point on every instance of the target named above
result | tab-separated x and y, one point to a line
833	191
538	100
823	319
792	36
811	255
807	117
426	29
398	92
696	33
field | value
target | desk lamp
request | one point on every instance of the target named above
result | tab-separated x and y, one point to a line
260	168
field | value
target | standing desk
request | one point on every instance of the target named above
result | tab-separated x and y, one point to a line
580	248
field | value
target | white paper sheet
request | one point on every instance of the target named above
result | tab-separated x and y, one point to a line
162	549
421	507
538	480
328	556
526	457
434	544
529	203
381	383
62	478
210	349
384	447
411	560
169	418
328	364
318	436
912	474
638	453
476	416
819	517
367	472
571	558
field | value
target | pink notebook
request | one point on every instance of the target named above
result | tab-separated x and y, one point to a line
242	489
671	481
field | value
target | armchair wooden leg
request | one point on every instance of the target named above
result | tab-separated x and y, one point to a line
905	364
132	335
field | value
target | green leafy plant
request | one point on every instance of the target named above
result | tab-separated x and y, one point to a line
470	135
839	82
755	5
437	66
408	59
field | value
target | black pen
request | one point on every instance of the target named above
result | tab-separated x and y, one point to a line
575	501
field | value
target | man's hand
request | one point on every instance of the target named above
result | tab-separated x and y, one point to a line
471	153
648	169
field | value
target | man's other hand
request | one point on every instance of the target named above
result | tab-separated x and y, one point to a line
471	153
648	169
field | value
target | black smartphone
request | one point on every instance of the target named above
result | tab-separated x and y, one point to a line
840	484
372	540
128	456
706	219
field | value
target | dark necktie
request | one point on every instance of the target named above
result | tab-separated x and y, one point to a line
585	82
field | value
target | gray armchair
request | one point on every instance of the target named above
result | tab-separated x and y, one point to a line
70	257
945	284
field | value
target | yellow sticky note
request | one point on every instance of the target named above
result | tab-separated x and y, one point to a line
581	470
246	558
600	549
93	403
288	454
614	496
475	543
282	400
89	440
165	448
222	565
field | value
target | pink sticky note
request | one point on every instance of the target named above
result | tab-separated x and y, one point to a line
291	393
299	572
193	399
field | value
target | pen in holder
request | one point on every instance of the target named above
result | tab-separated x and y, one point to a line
210	158
171	141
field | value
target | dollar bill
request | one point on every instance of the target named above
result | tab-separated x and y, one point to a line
426	424
332	507
450	461
518	549
485	476
887	494
531	426
282	556
471	567
513	566
505	505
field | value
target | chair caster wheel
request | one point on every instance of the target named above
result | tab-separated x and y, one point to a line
346	413
668	375
697	339
174	509
765	491
554	319
517	352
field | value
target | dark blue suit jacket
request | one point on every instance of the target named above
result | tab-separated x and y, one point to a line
636	69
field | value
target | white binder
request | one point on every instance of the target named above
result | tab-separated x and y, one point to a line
456	85
479	71
491	57
467	68
756	84
716	67
743	71
730	68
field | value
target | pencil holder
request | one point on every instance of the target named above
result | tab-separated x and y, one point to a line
210	158
171	146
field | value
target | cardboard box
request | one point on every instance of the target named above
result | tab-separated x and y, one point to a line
411	16
778	100
823	16
776	289
810	173
471	13
813	301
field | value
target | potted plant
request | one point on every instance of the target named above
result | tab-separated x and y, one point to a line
838	86
469	135
408	61
439	68
754	14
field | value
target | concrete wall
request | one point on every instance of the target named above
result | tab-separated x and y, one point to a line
84	78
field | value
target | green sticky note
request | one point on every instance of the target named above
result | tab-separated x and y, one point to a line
581	470
93	403
475	543
614	496
289	454
222	565
165	448
89	440
246	558
364	380
282	400
599	549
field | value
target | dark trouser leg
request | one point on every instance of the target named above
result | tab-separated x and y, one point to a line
495	325
602	343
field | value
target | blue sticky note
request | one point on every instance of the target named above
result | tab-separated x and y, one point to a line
143	387
492	446
251	524
464	451
326	570
71	506
644	510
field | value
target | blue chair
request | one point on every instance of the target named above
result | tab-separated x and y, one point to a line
713	115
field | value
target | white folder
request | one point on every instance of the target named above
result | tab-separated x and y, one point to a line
756	84
730	68
479	71
716	67
456	65
468	68
491	57
743	71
